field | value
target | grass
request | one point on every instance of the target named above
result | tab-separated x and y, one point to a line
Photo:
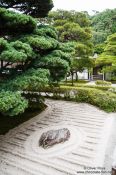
7	123
75	83
83	83
104	88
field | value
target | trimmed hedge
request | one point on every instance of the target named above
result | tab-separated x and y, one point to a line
113	89
105	100
103	83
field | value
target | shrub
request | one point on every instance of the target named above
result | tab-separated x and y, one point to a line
12	103
105	100
113	78
103	83
113	89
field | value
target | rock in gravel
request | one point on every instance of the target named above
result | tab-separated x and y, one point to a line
53	137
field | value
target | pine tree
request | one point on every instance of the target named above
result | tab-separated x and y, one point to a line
74	27
31	57
36	8
108	58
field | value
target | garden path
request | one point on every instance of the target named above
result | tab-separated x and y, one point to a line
90	131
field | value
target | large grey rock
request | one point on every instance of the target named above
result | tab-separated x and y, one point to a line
53	137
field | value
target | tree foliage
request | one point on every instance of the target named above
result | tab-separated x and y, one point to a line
74	27
108	58
36	8
31	57
71	25
104	24
99	48
12	103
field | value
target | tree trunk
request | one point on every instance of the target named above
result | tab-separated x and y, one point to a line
76	76
1	63
89	76
66	79
72	74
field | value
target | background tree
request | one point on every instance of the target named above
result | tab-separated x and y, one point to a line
31	57
79	65
103	24
74	27
99	48
36	8
108	58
